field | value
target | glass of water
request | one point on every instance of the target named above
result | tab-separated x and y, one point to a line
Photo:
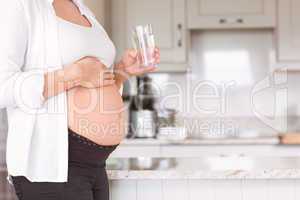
144	43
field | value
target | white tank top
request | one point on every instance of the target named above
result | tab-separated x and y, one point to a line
77	41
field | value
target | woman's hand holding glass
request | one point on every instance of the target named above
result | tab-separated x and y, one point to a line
130	64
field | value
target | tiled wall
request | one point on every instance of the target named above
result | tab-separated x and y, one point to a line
226	70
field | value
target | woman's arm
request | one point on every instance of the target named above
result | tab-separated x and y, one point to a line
59	81
88	72
17	88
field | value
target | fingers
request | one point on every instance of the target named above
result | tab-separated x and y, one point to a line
108	82
149	69
157	59
108	76
145	70
108	79
132	53
133	65
157	55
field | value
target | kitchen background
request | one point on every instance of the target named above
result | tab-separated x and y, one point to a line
240	57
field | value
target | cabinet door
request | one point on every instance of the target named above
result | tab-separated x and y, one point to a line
205	14
289	31
167	18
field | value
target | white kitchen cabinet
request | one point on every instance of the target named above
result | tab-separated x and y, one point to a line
123	189
195	151
224	14
127	151
288	33
168	18
214	189
252	189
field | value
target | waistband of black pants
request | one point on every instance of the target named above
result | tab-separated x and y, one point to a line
88	142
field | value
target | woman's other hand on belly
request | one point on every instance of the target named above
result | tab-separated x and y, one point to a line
93	73
87	72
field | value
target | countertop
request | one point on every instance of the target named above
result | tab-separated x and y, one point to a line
207	168
271	140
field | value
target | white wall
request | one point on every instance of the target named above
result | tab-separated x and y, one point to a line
223	56
244	57
100	8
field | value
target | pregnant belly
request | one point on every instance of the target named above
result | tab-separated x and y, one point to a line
97	114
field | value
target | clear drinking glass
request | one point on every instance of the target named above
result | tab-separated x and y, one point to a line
144	43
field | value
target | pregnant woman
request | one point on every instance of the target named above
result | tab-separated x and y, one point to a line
63	99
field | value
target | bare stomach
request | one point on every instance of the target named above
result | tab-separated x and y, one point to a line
97	114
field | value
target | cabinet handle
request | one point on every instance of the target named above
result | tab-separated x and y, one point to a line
222	21
179	28
240	21
231	21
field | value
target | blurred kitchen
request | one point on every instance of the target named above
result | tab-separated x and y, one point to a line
220	118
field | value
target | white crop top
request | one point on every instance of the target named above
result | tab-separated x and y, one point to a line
77	41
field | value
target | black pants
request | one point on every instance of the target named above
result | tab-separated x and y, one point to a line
87	178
